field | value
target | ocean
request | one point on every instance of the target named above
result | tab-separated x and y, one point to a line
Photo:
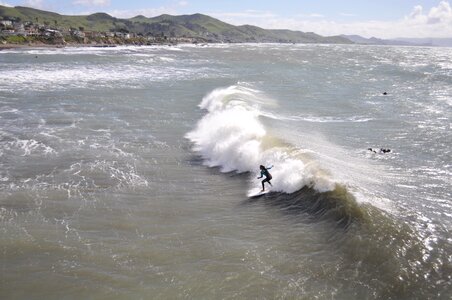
126	172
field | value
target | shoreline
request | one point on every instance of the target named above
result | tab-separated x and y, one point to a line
37	45
18	46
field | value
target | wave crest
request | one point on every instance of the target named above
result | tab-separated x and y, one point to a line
232	136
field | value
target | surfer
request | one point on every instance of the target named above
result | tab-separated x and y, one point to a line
268	176
382	150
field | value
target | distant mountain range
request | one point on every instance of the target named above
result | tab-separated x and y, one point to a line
441	42
197	26
376	41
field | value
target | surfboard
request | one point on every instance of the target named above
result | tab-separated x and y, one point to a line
257	192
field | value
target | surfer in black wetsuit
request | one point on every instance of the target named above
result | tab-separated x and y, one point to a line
382	150
268	176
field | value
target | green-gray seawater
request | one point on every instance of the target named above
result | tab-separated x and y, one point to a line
125	172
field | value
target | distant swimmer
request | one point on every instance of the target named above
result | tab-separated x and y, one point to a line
382	150
268	176
385	93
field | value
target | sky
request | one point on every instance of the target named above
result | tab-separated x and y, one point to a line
368	18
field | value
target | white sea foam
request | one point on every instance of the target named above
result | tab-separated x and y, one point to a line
30	146
142	65
87	76
100	51
328	119
9	110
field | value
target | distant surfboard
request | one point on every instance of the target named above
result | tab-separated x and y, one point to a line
257	192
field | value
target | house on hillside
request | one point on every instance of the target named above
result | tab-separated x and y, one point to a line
8	32
6	23
78	33
90	34
53	33
19	27
123	35
31	29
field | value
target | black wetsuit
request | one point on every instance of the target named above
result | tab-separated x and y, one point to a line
268	176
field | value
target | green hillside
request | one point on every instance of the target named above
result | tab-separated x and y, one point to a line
197	26
94	22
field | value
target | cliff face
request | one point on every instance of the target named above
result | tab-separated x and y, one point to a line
197	26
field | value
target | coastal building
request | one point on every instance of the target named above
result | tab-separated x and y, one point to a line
53	33
78	33
6	23
123	35
19	27
8	32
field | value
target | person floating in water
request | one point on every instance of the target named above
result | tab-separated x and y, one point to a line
382	150
268	176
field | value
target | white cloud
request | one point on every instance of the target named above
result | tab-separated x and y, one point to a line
183	3
249	15
316	16
440	14
35	4
417	13
5	4
92	2
347	15
150	12
436	23
147	12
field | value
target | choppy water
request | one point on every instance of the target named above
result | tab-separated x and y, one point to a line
124	172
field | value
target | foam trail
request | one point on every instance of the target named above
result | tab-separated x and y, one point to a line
232	137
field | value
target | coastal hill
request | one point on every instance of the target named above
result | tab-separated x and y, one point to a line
197	26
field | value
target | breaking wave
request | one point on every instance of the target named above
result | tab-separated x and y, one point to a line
232	136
